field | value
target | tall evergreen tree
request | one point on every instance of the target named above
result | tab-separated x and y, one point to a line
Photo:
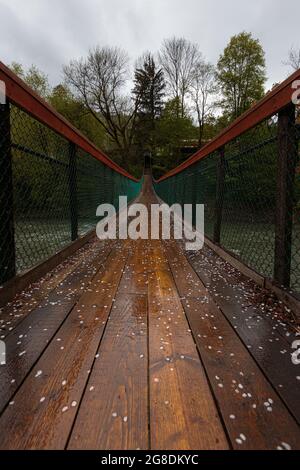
149	86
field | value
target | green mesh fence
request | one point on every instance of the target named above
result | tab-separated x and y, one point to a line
241	212
46	191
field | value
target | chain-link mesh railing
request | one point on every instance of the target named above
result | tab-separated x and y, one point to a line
251	192
293	185
49	191
184	188
40	174
249	205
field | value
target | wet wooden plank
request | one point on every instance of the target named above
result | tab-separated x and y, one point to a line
114	409
227	282
268	340
183	414
44	408
135	278
87	379
250	407
21	281
14	312
25	344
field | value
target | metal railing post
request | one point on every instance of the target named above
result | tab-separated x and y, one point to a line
183	191
194	194
286	165
7	240
73	191
220	186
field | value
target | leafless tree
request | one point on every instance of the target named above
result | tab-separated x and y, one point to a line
178	57
293	59
99	80
203	88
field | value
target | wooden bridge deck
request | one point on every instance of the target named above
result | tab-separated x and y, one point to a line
134	345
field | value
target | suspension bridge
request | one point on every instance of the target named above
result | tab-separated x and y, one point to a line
139	344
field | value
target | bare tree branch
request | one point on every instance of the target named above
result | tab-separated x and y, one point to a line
203	87
178	58
293	59
99	80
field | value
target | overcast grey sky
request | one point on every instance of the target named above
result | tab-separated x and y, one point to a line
49	33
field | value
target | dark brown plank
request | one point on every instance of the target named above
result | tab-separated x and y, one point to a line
229	283
267	338
240	387
86	383
183	414
25	344
21	281
45	406
135	278
114	409
14	312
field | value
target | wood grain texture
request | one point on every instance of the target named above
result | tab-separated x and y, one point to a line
25	302
135	278
114	409
27	341
249	405
269	340
183	414
47	402
134	349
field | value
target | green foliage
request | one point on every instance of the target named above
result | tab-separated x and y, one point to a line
76	112
172	132
149	86
241	74
160	125
34	77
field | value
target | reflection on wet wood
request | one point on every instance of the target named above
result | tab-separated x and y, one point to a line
137	346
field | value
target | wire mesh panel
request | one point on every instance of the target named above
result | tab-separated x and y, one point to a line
7	241
91	190
98	184
249	207
40	169
294	183
195	185
49	191
251	192
205	182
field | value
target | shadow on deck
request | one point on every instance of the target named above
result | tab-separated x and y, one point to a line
138	345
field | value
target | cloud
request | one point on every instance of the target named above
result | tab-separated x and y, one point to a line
49	33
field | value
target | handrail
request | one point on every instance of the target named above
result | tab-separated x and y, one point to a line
24	97
273	102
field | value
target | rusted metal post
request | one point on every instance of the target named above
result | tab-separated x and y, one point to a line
170	191
220	186
194	194
183	190
7	235
73	191
286	165
176	191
